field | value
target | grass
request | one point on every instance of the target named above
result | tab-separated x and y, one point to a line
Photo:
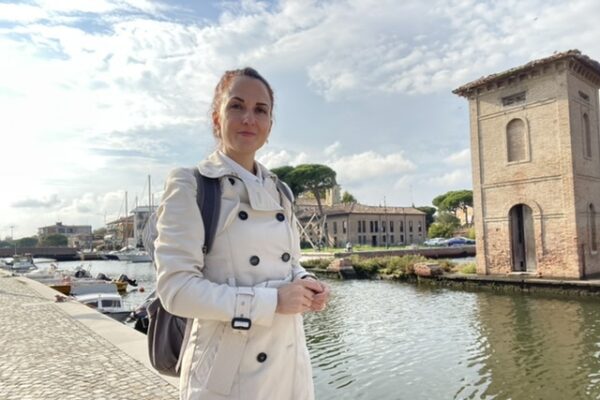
469	268
355	248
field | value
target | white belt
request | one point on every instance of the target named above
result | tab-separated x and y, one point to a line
231	347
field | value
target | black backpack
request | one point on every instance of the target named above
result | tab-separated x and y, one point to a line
167	332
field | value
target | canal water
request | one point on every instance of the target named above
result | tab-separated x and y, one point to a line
385	340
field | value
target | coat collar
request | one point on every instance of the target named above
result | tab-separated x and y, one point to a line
215	166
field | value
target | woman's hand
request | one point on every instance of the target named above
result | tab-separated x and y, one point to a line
297	297
320	299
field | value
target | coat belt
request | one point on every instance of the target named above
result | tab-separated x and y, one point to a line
232	345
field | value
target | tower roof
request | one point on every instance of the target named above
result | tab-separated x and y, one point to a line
575	54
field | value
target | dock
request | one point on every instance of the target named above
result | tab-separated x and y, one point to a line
65	350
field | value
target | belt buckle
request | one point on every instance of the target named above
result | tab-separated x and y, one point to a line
242	324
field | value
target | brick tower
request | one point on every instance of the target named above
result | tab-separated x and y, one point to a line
535	151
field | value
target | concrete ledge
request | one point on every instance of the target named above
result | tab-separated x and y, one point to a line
126	339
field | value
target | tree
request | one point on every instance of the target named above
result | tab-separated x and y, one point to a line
429	212
283	173
454	200
55	240
444	226
314	178
347	198
5	244
27	242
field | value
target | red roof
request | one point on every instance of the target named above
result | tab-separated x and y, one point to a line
467	89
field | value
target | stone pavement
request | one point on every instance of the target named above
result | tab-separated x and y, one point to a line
51	350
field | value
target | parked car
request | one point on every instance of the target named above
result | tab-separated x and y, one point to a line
459	241
439	241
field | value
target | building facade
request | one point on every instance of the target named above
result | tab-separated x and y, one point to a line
79	236
536	167
119	232
367	225
140	218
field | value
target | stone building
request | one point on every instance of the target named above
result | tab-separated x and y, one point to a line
370	225
536	167
79	236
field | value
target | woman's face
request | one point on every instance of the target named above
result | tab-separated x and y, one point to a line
244	118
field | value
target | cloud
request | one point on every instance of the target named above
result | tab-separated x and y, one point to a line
280	158
45	202
331	149
370	164
462	157
452	179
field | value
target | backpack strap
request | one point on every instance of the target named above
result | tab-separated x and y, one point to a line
208	197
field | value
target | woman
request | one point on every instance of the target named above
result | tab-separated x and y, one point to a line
247	295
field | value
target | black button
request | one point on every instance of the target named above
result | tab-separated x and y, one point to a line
254	260
232	181
280	217
285	257
261	357
243	215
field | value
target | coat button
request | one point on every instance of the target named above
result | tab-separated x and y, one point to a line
243	215
232	181
280	217
261	357
285	257
254	260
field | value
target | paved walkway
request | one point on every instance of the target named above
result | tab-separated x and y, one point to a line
51	350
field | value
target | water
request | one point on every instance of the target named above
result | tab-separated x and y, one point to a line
384	340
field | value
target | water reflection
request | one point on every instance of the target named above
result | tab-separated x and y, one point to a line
383	340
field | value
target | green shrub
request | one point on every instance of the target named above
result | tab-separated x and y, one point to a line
396	267
471	233
469	268
318	263
447	265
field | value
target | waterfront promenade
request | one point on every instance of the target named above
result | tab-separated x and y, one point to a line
65	350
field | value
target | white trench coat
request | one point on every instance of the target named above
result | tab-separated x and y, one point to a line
255	250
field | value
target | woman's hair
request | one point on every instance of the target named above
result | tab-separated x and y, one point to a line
225	83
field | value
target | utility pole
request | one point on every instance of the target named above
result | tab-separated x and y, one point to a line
12	227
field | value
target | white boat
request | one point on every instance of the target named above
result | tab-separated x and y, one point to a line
110	304
19	264
132	255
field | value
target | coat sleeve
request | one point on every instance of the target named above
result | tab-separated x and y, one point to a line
181	285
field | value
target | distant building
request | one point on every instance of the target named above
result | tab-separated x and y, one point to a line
140	218
118	232
79	236
367	225
536	167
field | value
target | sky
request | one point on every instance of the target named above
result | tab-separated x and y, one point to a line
96	95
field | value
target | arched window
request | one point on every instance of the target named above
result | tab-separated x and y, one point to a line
587	136
592	227
516	141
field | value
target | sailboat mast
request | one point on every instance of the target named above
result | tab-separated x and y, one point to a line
149	195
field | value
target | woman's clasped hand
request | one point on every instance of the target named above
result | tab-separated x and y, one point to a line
302	295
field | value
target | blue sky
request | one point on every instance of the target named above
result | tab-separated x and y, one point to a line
95	95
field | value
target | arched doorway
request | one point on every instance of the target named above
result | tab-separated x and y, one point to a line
522	238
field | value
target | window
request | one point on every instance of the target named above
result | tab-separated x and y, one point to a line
410	226
513	99
587	136
371	226
383	226
419	228
392	226
376	223
335	227
584	96
392	239
384	236
344	226
364	223
401	238
359	227
335	242
592	224
515	140
401	226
